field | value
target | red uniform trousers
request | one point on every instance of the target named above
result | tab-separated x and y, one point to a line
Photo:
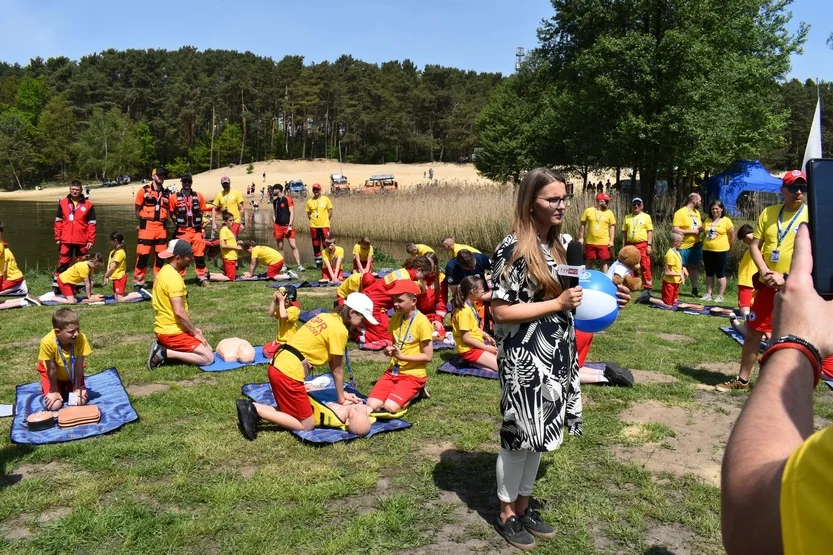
644	263
197	240
318	235
584	341
152	238
66	253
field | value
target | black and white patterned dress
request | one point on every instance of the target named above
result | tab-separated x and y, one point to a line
539	379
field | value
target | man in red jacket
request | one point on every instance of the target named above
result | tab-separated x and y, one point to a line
74	227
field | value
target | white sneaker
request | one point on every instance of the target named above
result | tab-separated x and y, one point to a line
145	293
300	268
292	274
718	299
706	297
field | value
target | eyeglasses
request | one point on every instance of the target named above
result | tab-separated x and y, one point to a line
555	201
797	189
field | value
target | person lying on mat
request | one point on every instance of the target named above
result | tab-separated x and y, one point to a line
286	309
332	260
269	257
117	271
355	283
80	273
320	341
410	353
474	345
229	249
61	361
363	256
177	337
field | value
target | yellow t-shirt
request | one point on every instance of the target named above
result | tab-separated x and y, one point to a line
167	285
462	321
331	257
288	326
687	219
422	250
12	271
717	234
458	247
806	496
746	269
636	228
49	351
598	224
229	203
767	231
117	256
364	253
76	274
352	284
227	236
318	340
420	330
318	211
674	261
266	255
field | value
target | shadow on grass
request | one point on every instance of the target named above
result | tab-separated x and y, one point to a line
658	550
8	455
703	376
471	476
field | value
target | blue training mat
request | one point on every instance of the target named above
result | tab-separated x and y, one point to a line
104	389
110	299
739	338
262	393
219	365
310	314
705	312
295	284
438	346
256	277
460	367
303	284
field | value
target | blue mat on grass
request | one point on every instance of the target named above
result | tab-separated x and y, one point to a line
303	284
109	299
104	389
310	314
219	365
382	272
739	338
262	393
462	368
296	284
707	311
438	346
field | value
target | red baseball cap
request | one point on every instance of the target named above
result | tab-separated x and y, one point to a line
404	286
602	196
792	176
316	186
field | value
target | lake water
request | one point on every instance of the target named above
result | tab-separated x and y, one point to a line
28	231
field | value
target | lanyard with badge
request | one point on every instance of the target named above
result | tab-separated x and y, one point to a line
73	399
775	256
72	208
596	217
395	368
635	223
473	311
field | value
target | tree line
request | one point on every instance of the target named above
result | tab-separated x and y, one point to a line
673	90
123	112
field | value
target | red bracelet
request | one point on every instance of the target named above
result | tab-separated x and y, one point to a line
791	342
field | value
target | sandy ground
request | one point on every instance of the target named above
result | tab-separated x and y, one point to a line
277	171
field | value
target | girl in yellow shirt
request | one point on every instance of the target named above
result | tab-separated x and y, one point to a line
719	234
117	270
474	346
333	258
80	273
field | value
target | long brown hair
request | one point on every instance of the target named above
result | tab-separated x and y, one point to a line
528	244
463	291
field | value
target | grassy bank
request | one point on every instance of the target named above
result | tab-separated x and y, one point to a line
183	480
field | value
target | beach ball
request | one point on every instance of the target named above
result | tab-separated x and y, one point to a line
598	308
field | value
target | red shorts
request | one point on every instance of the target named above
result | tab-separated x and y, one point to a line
827	367
364	263
119	285
230	269
584	341
6	284
326	275
471	355
760	313
283	232
235	228
290	394
63	387
670	293
745	295
597	252
181	342
400	389
66	290
274	269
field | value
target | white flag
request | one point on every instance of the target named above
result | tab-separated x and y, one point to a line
813	149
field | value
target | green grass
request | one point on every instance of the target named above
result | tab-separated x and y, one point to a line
183	480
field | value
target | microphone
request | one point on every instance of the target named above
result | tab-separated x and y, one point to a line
575	264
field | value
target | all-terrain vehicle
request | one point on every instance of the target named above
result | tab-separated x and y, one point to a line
339	185
379	184
296	187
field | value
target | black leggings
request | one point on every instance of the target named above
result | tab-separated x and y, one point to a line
715	263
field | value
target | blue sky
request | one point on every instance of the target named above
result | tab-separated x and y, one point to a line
471	34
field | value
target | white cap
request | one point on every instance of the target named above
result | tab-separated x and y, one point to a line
362	304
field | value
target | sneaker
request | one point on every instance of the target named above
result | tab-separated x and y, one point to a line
137	287
247	419
300	268
292	274
734	383
31	300
718	299
705	297
156	355
514	532
145	293
616	375
644	297
202	282
535	525
694	293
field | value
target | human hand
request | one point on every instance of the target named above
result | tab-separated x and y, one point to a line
201	338
581	240
388	350
491	349
685	272
649	249
105	281
570	298
53	400
799	310
88	246
610	245
623	295
772	279
351	399
81	395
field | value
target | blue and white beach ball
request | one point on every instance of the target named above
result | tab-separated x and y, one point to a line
598	308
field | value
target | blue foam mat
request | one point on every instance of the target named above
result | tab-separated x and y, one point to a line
262	393
310	314
109	299
438	346
705	312
303	284
462	368
739	338
104	389
219	365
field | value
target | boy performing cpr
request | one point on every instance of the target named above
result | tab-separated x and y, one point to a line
61	361
411	352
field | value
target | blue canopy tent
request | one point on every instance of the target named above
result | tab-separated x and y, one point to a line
743	175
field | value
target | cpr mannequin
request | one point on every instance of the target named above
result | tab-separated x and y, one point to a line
356	417
235	349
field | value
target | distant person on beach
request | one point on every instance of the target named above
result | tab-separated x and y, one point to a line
228	200
284	226
264	177
431	173
152	205
74	228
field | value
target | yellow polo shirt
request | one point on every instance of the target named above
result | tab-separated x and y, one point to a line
409	341
687	219
117	256
674	261
49	351
318	210
766	231
167	285
462	321
76	274
318	340
229	203
598	224
717	234
230	240
636	228
266	255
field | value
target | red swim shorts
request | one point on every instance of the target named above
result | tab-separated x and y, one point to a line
274	269
290	394
670	293
745	294
230	269
181	342
399	389
119	285
597	252
67	290
284	232
63	387
760	313
472	355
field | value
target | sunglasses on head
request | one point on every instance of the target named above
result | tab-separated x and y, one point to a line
797	188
